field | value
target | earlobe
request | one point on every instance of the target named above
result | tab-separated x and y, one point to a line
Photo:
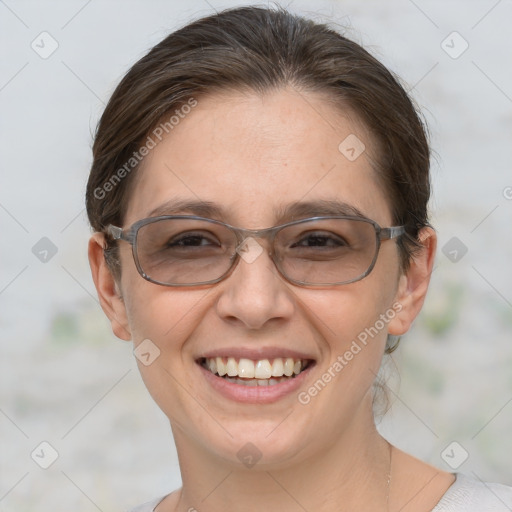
108	289
413	284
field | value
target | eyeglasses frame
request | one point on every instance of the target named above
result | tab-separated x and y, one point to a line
130	235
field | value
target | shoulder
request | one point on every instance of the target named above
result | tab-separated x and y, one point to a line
468	494
148	506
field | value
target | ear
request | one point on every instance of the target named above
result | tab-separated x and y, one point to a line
413	284
108	289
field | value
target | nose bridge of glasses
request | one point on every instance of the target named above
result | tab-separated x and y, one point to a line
266	235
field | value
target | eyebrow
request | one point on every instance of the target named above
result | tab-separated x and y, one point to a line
285	213
317	208
194	207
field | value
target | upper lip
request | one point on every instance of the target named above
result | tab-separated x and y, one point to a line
255	354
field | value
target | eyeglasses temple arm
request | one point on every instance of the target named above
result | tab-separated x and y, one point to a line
115	232
392	232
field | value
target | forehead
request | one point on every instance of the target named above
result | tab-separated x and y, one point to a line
253	155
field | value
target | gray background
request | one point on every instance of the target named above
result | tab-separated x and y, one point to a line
66	380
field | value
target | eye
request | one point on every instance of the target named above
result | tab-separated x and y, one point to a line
320	239
193	239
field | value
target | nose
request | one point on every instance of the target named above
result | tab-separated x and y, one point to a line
255	294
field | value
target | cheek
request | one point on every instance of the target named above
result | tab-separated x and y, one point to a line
162	320
352	323
165	315
354	312
354	337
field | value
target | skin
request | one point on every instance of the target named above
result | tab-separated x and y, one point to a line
251	154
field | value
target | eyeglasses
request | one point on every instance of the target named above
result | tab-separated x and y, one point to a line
186	250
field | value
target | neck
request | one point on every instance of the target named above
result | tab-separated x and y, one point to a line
350	474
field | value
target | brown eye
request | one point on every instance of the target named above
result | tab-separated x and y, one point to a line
320	239
193	240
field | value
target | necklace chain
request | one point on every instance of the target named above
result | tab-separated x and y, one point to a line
389	476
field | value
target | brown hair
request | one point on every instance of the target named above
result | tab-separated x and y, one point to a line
260	49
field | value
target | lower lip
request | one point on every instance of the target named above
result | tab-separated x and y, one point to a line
254	394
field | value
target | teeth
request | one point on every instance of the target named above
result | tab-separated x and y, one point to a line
277	368
221	367
246	369
254	373
263	369
256	382
231	367
288	367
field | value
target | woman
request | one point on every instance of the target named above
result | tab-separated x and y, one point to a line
259	198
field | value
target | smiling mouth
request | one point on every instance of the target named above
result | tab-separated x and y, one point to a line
263	372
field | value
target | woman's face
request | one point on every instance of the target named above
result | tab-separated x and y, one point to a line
252	157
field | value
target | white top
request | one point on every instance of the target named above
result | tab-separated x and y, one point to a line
466	494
